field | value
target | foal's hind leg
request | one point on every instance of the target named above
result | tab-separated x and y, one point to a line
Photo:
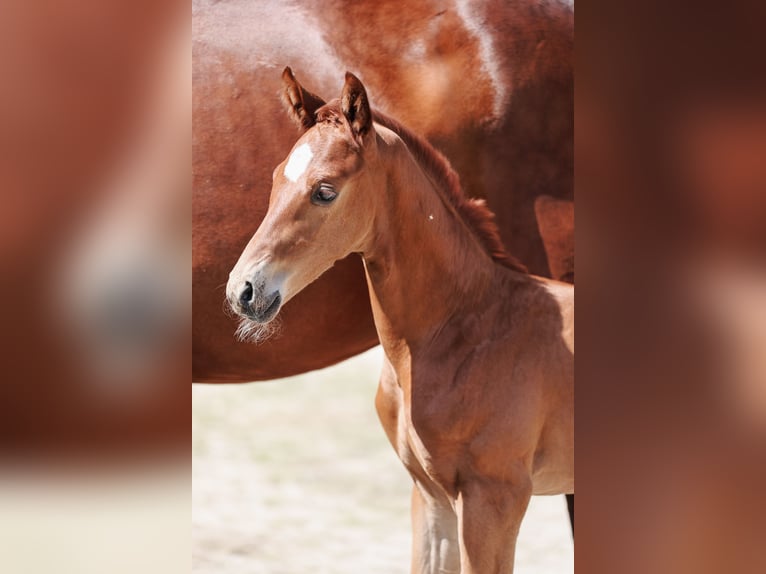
489	516
435	547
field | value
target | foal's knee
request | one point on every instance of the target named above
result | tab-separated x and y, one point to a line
503	499
489	515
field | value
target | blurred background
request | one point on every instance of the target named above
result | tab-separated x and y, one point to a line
95	135
671	185
95	245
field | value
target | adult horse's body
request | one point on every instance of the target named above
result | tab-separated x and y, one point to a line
477	389
490	83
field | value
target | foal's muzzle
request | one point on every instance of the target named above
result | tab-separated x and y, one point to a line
254	303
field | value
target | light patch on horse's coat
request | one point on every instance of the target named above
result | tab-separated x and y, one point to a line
228	27
475	24
298	162
417	50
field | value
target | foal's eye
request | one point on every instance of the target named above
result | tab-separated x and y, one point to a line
323	194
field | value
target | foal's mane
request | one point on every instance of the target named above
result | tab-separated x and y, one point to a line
474	212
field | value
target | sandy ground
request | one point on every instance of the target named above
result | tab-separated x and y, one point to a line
296	476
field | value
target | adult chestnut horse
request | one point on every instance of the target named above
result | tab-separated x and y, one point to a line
477	389
488	82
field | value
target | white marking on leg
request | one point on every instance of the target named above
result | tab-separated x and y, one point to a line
298	162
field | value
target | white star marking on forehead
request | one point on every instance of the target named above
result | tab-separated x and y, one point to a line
298	162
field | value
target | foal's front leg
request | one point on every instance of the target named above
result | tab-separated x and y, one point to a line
489	516
435	546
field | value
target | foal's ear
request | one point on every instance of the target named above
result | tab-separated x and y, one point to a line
301	104
355	106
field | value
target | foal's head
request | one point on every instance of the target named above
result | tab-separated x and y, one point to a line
321	202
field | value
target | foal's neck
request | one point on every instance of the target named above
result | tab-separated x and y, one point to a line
425	266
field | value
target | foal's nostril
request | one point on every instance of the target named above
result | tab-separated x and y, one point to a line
247	294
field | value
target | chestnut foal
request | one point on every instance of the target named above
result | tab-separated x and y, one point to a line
476	392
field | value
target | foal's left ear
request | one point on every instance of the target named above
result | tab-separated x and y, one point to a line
355	106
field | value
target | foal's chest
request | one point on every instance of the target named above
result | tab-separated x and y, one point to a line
429	458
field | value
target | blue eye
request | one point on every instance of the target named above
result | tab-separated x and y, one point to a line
323	194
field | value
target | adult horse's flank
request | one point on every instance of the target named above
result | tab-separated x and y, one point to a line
476	392
488	82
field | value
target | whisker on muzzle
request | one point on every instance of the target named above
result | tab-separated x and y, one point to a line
249	331
228	310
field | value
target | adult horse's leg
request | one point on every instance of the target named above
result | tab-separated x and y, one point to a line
570	508
489	516
555	221
435	546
